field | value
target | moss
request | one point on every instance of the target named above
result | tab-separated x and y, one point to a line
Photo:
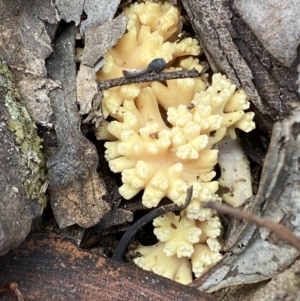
33	175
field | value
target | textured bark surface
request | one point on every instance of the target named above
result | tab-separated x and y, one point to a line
276	24
24	44
15	220
232	49
18	182
48	267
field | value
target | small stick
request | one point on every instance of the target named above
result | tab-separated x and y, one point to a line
12	287
149	77
277	228
130	233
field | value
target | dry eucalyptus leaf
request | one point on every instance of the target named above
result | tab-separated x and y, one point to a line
24	44
258	254
98	12
276	24
76	190
284	286
97	42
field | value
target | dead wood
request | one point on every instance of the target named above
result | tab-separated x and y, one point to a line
76	190
24	44
47	267
15	213
21	166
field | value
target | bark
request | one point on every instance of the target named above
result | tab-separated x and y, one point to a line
22	166
48	267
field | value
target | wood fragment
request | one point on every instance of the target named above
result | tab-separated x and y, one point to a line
162	76
49	267
76	191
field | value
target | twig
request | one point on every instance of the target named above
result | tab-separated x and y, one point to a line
149	77
130	233
12	287
277	228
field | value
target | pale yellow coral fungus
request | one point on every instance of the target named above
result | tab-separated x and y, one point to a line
165	159
178	232
164	135
186	238
150	31
154	259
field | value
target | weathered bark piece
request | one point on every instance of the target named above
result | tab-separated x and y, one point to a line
76	190
98	12
88	95
24	44
114	218
97	42
276	24
284	286
259	254
70	10
232	48
47	267
22	166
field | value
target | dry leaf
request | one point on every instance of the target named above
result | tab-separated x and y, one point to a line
97	42
276	24
70	10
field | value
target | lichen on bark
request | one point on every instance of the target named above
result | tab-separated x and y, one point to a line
33	175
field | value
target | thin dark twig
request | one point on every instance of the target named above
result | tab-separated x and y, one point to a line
131	232
277	228
149	77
